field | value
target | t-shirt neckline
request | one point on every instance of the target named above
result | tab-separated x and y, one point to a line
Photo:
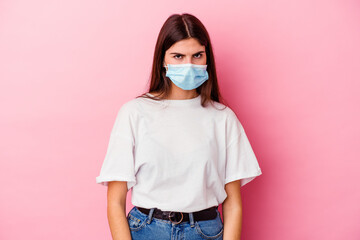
180	102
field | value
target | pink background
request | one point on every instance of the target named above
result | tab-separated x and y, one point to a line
289	69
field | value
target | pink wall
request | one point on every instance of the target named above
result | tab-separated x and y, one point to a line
289	69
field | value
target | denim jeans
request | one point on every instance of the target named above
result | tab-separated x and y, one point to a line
146	227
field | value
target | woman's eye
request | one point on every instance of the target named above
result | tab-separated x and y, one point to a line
176	56
199	54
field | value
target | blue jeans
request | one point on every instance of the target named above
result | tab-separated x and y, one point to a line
146	227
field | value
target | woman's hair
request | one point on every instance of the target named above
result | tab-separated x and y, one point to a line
178	27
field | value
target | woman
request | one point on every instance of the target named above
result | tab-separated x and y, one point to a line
179	149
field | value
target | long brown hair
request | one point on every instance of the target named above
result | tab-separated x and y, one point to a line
178	27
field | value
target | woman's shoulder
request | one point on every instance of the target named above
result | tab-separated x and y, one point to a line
137	104
129	107
222	108
226	113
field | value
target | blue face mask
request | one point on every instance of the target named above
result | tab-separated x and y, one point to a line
187	76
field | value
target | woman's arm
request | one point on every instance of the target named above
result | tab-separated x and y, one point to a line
232	211
116	210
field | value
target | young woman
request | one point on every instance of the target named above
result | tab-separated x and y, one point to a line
179	149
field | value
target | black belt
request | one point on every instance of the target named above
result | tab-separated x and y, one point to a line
177	217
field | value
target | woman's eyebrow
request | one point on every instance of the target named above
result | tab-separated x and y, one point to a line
183	54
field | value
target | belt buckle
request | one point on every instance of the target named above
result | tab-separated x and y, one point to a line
182	216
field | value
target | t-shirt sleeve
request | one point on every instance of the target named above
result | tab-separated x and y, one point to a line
241	162
119	162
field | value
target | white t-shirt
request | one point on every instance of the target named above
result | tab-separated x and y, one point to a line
177	155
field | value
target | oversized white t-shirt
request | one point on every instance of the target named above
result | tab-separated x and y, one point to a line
177	155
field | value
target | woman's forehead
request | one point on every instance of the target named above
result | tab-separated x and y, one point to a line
186	43
186	46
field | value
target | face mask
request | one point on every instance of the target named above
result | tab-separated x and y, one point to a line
187	76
